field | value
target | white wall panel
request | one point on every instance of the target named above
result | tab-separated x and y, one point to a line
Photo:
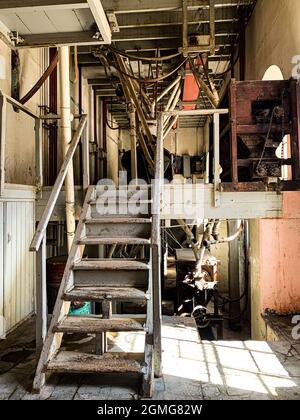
18	263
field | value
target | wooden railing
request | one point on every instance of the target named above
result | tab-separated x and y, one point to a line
42	226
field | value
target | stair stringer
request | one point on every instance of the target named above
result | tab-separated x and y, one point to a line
61	308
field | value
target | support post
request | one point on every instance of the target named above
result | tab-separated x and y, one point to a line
41	297
2	142
132	119
234	277
185	41
38	155
233	139
86	159
64	67
217	181
156	249
212	26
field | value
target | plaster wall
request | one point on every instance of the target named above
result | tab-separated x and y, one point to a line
273	38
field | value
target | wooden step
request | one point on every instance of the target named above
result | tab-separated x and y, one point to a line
113	241
113	264
118	227
93	324
76	362
120	219
96	294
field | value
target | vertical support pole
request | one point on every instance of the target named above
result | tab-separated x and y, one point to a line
132	119
41	297
217	180
234	273
233	139
38	155
156	249
185	41
212	26
64	67
3	104
101	339
86	159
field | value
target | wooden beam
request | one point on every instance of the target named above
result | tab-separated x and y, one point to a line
100	19
42	4
41	297
42	226
60	38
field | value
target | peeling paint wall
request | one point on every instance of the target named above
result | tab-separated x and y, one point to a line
20	156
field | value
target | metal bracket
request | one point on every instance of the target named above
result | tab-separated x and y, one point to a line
112	19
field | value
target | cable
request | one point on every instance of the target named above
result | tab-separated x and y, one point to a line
134	57
158	79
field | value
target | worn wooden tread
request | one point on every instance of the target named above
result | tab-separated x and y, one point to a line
102	240
120	220
113	264
76	362
96	294
121	201
94	324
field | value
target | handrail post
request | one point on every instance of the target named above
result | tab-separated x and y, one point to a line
217	181
156	249
41	297
38	155
2	142
86	159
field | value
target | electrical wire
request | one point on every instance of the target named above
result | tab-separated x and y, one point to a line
134	57
147	81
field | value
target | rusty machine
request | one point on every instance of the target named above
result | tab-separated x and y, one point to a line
263	116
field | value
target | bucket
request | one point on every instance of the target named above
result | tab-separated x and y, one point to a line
55	271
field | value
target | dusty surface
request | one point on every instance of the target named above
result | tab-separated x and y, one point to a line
192	370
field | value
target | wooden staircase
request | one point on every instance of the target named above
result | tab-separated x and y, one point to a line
105	281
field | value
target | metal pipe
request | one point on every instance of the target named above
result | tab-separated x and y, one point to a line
185	41
168	129
132	119
66	137
173	105
172	97
163	93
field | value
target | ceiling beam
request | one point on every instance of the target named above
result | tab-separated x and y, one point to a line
56	39
100	19
166	32
8	5
138	6
130	20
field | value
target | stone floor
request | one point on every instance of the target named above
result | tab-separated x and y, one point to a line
224	370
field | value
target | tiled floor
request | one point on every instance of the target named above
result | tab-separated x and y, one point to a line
192	370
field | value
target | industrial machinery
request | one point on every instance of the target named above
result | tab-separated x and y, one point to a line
264	133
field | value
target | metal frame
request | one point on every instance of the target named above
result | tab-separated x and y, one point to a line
216	153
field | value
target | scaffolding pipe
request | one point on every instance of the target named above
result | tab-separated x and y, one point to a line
66	137
163	93
133	140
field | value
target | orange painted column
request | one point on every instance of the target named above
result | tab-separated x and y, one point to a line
280	258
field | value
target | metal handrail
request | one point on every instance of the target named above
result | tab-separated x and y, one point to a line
42	226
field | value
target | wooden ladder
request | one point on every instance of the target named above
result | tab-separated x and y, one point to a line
105	281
